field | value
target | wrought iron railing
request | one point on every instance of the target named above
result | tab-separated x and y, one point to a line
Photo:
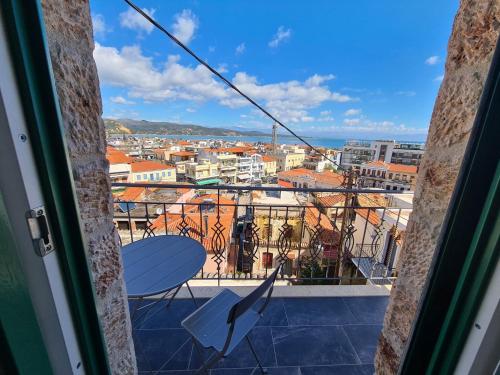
247	237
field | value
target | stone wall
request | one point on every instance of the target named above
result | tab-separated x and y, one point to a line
69	33
470	49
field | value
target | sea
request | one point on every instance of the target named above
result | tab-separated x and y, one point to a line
314	141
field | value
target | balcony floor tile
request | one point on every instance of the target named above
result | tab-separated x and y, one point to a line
318	312
368	309
157	349
241	356
302	346
364	338
338	370
296	336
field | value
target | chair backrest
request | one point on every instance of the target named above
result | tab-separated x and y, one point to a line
246	303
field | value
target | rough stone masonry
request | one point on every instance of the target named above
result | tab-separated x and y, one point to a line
470	49
70	39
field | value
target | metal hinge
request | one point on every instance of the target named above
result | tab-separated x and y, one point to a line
40	231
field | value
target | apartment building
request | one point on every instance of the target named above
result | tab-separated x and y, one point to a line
290	158
269	165
355	153
202	173
227	167
388	176
151	171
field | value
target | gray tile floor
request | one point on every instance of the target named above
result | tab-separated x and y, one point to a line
296	336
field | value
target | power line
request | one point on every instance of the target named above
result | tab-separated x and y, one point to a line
229	83
225	80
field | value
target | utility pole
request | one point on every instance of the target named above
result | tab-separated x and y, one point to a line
275	138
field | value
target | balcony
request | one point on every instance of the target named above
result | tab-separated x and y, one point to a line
332	292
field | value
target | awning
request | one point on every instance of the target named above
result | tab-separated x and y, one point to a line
209	181
374	271
244	176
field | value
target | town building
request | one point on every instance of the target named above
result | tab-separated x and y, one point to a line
179	156
119	165
269	165
288	159
151	171
227	167
355	153
202	173
388	176
306	178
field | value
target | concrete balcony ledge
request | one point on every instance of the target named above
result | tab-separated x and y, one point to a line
286	291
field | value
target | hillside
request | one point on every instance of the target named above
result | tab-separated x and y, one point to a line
127	126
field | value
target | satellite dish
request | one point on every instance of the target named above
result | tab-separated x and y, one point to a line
159	211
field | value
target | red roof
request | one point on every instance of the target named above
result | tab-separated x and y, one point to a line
184	153
131	194
325	177
285	184
144	166
402	168
371	215
267	158
331	200
391	167
115	156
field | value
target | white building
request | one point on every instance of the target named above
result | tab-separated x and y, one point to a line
355	153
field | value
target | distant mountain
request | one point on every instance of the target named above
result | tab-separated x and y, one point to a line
127	126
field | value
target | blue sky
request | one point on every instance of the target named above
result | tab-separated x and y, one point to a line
338	69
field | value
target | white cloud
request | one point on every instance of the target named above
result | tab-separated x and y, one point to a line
288	100
352	112
133	20
439	78
211	49
190	110
98	24
121	100
240	49
280	36
185	26
352	121
365	127
406	93
432	60
325	113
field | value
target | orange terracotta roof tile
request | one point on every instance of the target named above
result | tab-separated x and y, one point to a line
391	167
184	153
131	194
371	215
285	184
267	158
402	168
332	200
145	166
312	215
115	156
371	200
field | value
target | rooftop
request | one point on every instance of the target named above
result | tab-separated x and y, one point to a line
391	167
115	156
144	166
333	335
